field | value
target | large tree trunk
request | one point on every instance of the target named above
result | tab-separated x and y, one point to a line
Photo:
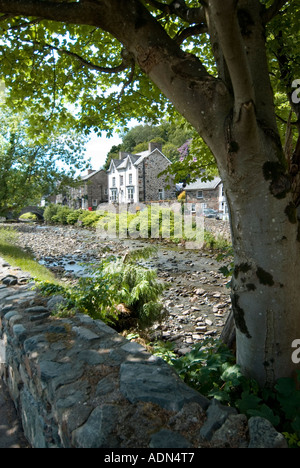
266	279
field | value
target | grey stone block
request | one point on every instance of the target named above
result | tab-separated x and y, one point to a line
95	432
264	435
216	416
150	381
168	439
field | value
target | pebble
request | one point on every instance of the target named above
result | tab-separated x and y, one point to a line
193	290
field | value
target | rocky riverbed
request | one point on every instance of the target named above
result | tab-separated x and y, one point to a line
196	297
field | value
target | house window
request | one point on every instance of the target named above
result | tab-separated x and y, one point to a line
113	195
121	180
200	194
161	194
114	181
130	178
193	208
95	203
105	191
130	193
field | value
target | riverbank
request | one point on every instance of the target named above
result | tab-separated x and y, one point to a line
196	298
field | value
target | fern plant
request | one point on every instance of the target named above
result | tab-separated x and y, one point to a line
121	280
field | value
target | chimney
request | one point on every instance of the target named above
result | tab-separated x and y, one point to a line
122	155
154	145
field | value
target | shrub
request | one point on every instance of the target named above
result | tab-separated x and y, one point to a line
90	218
30	216
61	215
117	281
73	216
50	211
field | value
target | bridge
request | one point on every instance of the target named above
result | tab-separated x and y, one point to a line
37	210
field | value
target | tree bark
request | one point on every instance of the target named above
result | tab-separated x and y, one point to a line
266	278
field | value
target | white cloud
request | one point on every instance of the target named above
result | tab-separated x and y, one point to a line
98	147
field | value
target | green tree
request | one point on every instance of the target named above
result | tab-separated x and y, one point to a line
211	61
171	134
32	168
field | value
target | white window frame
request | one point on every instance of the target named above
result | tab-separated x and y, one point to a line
130	193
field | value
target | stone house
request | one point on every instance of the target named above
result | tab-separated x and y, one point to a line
89	193
209	194
134	178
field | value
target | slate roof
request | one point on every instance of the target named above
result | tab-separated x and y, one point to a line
200	185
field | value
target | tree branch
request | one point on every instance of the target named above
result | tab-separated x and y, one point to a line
127	83
273	10
127	59
180	9
224	15
188	32
74	12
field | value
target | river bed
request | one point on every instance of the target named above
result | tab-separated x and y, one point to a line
196	298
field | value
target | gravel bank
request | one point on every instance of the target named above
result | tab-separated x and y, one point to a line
196	297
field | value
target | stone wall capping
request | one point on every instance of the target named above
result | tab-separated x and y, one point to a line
77	383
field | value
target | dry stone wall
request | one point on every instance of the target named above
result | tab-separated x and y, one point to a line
77	383
218	228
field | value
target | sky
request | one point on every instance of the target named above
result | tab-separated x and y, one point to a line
98	147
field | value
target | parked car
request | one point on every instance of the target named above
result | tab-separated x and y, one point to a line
210	213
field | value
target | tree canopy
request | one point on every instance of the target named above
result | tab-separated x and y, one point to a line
61	62
58	59
32	167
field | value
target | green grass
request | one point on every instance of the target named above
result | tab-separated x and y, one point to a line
17	257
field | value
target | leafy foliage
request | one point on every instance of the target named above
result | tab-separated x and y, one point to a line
113	282
210	368
32	166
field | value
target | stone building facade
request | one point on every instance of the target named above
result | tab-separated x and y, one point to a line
209	194
135	178
91	191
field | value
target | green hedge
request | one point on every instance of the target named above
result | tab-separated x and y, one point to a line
167	224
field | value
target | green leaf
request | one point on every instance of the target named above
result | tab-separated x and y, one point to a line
248	402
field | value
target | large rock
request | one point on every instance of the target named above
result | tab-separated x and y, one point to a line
216	416
156	382
264	435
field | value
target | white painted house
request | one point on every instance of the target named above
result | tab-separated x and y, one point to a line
134	178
